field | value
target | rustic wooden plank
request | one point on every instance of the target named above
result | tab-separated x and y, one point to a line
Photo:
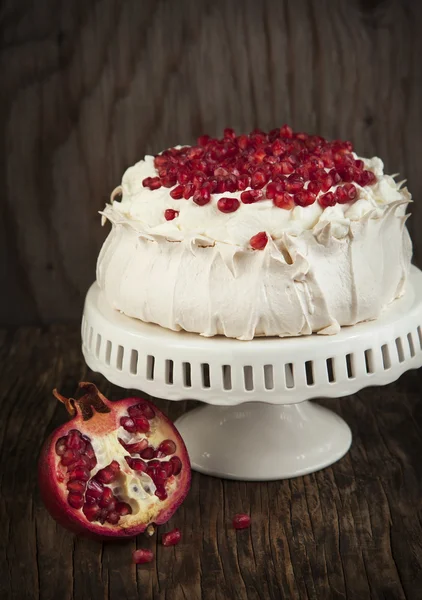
89	88
350	531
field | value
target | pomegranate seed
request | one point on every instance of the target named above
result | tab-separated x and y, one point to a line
172	538
102	515
251	196
167	447
170	214
259	179
189	191
128	424
176	464
273	188
146	181
350	190
314	187
303	172
304	198
148	411
341	195
123	509
141	556
278	148
147	453
94	489
347	173
75	500
69	457
286	131
259	241
243	142
202	196
335	176
156	183
168	181
183	176
160	160
160	492
108	473
168	467
293	184
136	464
106	498
90	500
150	472
198	179
286	167
203	140
80	473
221	172
229	133
228	205
259	155
92	512
141	424
75	441
283	200
177	192
359	164
61	446
160	476
220	188
242	182
113	518
366	178
241	521
326	182
327	160
78	487
231	184
83	461
328	199
154	463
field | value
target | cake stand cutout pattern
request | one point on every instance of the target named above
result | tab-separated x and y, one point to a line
259	423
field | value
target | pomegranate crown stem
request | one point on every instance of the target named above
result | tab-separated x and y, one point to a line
91	400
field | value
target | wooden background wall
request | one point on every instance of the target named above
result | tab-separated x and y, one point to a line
88	87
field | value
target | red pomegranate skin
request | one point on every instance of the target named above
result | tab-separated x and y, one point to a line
95	416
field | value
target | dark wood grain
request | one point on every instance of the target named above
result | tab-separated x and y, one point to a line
352	531
89	87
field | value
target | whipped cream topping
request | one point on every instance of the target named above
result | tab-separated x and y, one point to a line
144	210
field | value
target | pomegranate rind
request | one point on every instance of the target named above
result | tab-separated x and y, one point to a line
54	495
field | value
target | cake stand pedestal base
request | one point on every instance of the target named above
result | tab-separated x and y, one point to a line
263	442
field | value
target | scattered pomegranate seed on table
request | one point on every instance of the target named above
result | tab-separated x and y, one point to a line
142	556
241	521
172	538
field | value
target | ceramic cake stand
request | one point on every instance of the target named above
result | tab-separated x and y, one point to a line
259	423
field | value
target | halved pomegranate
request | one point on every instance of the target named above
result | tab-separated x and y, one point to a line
114	468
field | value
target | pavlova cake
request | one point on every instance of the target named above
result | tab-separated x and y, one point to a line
278	234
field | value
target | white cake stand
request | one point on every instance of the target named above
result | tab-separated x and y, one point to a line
259	423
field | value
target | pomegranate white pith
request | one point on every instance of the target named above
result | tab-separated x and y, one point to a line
115	468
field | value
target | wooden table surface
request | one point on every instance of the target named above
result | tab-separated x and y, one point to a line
350	531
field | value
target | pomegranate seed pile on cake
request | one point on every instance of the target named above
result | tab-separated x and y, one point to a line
266	234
